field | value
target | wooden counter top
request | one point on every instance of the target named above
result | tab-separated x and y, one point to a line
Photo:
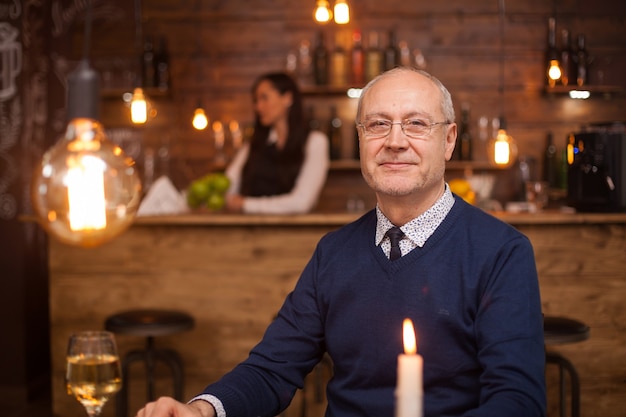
339	219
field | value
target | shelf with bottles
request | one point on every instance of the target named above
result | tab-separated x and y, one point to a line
605	91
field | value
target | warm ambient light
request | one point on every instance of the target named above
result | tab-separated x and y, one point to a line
580	94
502	149
200	121
138	107
554	72
86	190
408	337
342	12
322	13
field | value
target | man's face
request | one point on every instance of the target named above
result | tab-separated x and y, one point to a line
398	165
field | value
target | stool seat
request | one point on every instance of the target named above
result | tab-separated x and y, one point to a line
562	330
557	331
149	322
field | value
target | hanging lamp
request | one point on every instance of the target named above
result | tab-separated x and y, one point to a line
502	149
85	190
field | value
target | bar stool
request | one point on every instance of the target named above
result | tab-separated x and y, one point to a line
558	331
149	324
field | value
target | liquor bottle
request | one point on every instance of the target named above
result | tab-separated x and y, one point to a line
392	53
373	58
550	163
465	136
357	63
147	64
320	61
314	124
582	60
339	63
334	134
552	54
303	64
568	69
162	66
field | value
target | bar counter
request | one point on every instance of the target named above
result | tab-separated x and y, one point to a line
232	272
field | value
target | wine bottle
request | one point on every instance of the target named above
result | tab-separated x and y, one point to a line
339	63
465	136
147	64
334	134
320	61
392	53
357	63
552	54
373	58
582	60
550	163
568	69
162	66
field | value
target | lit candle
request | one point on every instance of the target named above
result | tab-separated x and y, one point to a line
409	390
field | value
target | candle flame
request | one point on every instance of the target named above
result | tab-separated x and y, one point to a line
410	345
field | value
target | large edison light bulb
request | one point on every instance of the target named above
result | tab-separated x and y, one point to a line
86	191
502	150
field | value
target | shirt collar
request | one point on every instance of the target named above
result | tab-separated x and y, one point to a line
422	227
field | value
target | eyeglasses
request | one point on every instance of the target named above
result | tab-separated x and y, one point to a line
413	128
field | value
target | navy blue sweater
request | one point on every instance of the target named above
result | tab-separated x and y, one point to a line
472	294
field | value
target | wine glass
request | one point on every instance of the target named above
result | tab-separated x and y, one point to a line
93	372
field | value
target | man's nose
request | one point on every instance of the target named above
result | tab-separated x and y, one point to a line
396	137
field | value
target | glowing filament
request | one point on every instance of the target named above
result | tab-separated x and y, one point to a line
342	12
138	107
85	194
200	121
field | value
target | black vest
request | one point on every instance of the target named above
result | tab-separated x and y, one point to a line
268	172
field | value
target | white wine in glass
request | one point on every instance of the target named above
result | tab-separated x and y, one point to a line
93	372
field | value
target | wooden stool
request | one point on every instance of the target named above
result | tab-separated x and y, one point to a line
149	324
558	331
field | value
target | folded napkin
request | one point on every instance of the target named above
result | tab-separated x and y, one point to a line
163	198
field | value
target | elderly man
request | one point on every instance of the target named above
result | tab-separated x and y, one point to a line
466	280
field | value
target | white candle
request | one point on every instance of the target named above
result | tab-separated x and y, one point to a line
409	390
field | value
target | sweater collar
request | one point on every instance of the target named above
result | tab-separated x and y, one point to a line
420	228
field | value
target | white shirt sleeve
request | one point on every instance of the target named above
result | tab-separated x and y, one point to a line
235	168
306	190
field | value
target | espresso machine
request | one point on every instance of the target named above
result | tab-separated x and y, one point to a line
596	175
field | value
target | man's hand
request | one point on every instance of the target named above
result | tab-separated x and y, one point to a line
169	407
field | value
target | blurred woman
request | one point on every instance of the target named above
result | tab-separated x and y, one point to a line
283	168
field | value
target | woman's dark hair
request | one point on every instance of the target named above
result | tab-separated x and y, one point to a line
298	126
291	156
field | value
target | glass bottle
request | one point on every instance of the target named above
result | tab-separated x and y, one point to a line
392	53
357	63
320	61
550	163
162	66
552	54
147	64
465	136
373	57
339	63
582	60
334	134
568	69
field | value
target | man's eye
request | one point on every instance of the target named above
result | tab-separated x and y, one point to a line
416	123
377	124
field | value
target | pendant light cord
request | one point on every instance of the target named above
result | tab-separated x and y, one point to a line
88	23
501	87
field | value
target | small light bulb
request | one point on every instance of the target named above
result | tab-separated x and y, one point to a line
200	121
554	72
322	13
85	190
342	12
138	107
